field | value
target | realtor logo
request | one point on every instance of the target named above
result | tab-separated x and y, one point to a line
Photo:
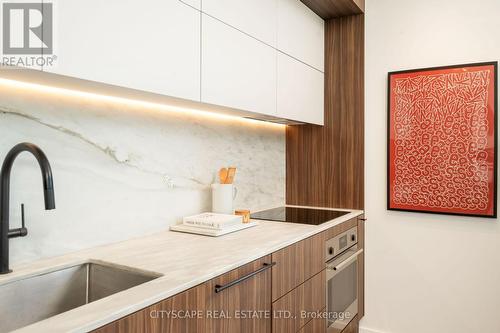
27	28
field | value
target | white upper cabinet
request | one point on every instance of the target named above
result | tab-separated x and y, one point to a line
151	45
193	3
238	71
301	33
300	91
257	18
258	56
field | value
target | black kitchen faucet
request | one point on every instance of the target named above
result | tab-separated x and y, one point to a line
48	193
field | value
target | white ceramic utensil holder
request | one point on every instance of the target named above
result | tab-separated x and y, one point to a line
223	196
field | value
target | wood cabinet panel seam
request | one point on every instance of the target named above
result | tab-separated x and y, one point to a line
297	263
310	297
315	325
291	291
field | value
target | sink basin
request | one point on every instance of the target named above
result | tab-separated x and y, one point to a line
28	300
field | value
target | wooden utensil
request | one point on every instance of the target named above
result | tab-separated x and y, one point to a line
231	173
223	173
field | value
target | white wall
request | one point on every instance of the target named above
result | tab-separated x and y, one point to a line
425	273
122	172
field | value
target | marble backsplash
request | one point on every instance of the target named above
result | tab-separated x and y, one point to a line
122	172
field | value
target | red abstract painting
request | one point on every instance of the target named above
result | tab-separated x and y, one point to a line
442	140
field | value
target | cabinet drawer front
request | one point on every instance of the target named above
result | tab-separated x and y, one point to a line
247	270
316	325
252	295
242	299
157	319
297	263
289	310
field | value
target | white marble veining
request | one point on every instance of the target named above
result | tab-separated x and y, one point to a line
185	260
122	172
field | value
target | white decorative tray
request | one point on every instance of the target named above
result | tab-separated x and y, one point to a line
212	233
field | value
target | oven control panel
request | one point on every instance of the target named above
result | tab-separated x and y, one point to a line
340	243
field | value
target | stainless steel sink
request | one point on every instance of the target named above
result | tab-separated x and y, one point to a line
28	300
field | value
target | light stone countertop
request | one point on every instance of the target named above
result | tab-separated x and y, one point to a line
184	260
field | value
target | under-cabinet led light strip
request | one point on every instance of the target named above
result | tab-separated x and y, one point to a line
132	102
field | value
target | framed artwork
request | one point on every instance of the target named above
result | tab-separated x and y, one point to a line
442	140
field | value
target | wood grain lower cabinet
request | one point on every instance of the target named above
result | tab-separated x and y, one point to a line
164	317
294	310
247	304
316	325
297	263
201	309
256	297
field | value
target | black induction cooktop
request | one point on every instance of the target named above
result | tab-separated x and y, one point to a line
298	215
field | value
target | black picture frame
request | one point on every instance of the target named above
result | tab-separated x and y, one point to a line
495	148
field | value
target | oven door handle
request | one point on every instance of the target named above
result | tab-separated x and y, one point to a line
345	262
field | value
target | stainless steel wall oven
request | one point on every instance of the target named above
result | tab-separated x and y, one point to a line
342	280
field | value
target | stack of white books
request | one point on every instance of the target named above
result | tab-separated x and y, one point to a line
212	224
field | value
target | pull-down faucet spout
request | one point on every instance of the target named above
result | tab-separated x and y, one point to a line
48	193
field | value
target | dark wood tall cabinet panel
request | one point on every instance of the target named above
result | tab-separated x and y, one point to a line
325	164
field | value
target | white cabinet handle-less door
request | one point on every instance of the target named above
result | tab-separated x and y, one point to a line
150	45
300	91
256	18
238	71
301	33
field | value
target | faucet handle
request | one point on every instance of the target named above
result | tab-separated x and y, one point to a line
23	225
19	232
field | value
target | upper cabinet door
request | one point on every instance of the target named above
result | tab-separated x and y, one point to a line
257	18
151	45
301	33
300	91
193	3
238	71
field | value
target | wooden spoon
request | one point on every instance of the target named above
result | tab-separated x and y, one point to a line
223	173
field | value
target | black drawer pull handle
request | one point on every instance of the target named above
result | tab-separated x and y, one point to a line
265	266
